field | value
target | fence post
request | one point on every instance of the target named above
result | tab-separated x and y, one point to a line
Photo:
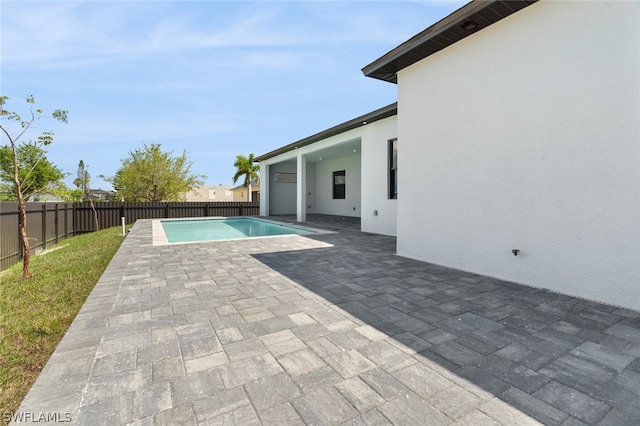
56	227
241	210
206	210
44	226
123	211
166	210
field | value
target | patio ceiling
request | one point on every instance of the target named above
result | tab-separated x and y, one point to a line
337	151
363	120
346	149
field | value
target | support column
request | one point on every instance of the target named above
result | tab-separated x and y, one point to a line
264	190
301	189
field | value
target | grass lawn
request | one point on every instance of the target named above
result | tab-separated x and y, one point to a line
35	314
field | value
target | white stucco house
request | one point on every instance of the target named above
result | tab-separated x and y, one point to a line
241	192
515	142
340	171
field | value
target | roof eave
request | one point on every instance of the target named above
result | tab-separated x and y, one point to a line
405	54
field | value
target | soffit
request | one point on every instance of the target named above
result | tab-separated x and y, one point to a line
469	19
363	120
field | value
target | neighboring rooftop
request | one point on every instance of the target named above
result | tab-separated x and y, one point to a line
254	185
465	21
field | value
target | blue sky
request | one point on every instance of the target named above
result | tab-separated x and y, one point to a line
215	78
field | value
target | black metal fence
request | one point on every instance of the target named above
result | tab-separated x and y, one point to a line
48	223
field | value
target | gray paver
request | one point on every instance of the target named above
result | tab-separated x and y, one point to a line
359	394
349	363
324	376
272	391
411	410
456	353
603	355
476	418
301	363
332	328
247	370
167	370
573	402
455	402
524	356
151	400
506	414
245	349
387	356
220	403
534	407
185	390
243	415
583	375
370	418
422	380
114	410
324	407
181	415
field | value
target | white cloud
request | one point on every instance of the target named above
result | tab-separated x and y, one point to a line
88	34
68	35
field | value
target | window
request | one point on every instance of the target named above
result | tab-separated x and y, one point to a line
393	169
339	187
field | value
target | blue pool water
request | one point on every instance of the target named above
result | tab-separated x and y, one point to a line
181	231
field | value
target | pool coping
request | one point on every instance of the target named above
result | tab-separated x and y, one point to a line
159	238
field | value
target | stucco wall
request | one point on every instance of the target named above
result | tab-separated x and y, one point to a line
375	178
366	177
311	188
282	195
325	204
526	136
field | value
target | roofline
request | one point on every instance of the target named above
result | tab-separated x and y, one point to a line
254	185
406	51
379	114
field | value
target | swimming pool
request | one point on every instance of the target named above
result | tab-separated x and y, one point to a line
207	229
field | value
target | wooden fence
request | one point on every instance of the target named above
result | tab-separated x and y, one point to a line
48	223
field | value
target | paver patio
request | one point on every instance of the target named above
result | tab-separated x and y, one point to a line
331	329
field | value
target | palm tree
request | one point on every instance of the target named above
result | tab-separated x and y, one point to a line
245	167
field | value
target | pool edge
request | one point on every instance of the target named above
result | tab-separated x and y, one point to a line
159	238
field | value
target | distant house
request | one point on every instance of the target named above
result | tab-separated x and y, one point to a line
96	195
210	193
240	192
102	195
45	198
513	150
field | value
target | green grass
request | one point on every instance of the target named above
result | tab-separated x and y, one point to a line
35	313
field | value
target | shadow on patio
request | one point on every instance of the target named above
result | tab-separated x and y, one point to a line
556	358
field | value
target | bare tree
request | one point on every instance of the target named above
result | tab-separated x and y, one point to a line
83	182
14	136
